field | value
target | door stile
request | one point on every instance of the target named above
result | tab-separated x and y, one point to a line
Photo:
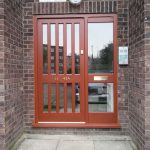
82	64
86	69
40	67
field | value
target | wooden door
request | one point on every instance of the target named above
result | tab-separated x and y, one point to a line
101	68
76	71
61	70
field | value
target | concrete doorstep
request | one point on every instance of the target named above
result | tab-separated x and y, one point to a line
74	142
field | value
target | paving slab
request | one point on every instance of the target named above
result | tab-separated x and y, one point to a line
75	142
112	145
35	144
76	145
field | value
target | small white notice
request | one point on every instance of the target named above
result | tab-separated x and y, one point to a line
123	56
52	0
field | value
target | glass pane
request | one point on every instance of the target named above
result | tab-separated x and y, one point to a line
77	95
45	97
69	97
61	50
100	47
45	50
53	50
53	97
100	97
77	49
69	43
61	91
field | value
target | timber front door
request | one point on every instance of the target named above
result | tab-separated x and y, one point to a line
75	71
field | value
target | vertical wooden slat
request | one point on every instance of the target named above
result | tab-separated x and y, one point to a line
73	64
49	66
57	66
65	65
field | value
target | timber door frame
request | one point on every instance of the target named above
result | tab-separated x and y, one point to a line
108	120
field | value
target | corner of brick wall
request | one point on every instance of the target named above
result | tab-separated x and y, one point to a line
13	71
137	73
2	84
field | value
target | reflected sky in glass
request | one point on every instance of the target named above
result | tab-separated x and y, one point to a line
99	36
44	33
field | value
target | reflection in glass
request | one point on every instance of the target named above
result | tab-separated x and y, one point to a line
69	97
45	97
77	97
45	50
61	97
100	47
69	43
53	50
77	49
61	50
53	97
100	97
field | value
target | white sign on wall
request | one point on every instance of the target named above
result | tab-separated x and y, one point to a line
52	0
123	56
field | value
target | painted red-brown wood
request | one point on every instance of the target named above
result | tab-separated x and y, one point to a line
92	120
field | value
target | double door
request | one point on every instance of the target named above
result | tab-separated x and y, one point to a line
76	80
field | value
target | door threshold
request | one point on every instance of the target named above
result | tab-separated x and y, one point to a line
75	125
63	122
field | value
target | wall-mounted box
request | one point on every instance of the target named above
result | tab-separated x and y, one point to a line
123	56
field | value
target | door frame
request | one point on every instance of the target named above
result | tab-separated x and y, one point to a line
112	118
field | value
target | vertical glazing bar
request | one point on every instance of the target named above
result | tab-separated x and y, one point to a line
49	51
73	65
65	67
49	67
57	67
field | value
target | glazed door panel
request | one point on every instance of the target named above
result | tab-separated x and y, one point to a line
61	70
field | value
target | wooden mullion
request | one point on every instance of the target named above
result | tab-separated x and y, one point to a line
65	65
57	66
49	66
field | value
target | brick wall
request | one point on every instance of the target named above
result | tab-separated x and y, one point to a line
11	72
32	7
137	73
147	72
2	99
